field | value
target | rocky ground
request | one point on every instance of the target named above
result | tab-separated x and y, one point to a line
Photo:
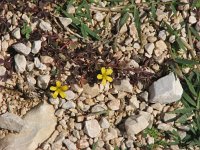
149	47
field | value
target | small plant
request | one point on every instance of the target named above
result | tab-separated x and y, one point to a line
104	76
158	138
59	90
26	30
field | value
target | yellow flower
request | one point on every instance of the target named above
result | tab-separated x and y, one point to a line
58	89
104	76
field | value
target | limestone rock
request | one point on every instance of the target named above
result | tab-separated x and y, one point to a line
168	89
43	81
20	63
125	86
40	123
22	48
11	122
92	128
36	46
135	124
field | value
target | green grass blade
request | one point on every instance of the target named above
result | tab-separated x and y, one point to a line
137	21
189	99
186	61
191	87
124	19
153	11
195	33
90	32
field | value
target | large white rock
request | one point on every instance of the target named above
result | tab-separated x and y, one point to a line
40	123
92	128
22	48
11	122
135	124
167	89
20	63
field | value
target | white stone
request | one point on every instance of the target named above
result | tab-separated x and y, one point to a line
197	26
21	48
162	35
133	102
172	38
92	91
135	124
59	112
71	9
149	47
20	63
198	45
65	21
99	108
2	71
104	123
125	86
31	80
46	59
168	89
92	128
26	18
16	33
4	45
161	45
11	122
36	46
39	65
69	105
114	104
99	17
43	81
69	144
70	95
169	117
165	127
192	19
133	64
157	106
45	26
40	123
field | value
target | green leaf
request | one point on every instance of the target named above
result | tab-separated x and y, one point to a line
83	31
153	11
186	61
191	87
90	32
124	19
94	146
182	111
173	8
137	21
180	43
195	33
189	99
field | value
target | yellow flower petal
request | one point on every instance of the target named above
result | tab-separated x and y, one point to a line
109	71
99	76
103	82
58	83
53	88
62	94
64	88
103	70
55	94
109	79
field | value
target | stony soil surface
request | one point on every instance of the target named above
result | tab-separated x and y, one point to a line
91	116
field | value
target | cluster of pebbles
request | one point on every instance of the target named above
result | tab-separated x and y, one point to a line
104	117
